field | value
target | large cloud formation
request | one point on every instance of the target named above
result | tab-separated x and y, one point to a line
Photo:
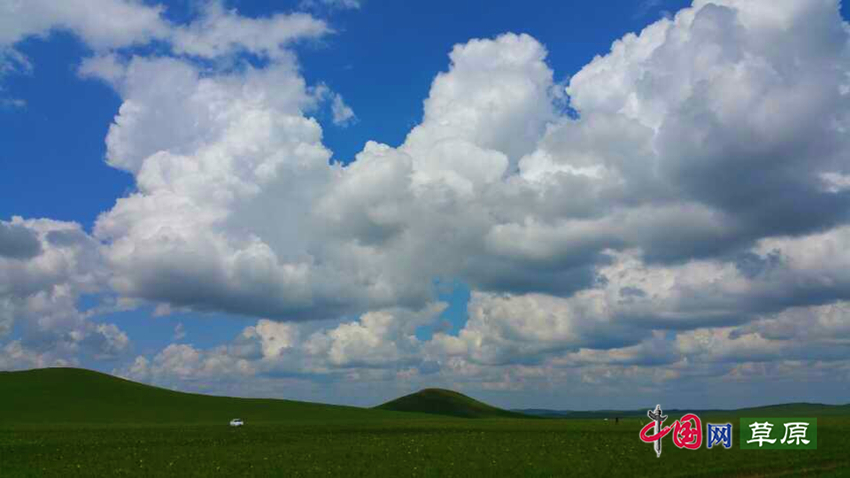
46	266
51	265
687	218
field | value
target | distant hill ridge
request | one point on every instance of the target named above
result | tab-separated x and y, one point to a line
70	395
438	401
780	410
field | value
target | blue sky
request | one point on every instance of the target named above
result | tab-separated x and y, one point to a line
217	233
382	60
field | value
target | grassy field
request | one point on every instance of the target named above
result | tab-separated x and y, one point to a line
172	434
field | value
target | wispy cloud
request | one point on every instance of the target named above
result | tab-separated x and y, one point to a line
179	332
645	6
330	4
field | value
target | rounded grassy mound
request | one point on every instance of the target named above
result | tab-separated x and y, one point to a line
438	401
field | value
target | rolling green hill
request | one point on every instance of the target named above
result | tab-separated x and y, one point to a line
71	422
68	395
446	402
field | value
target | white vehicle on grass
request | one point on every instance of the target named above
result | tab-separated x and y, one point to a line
237	422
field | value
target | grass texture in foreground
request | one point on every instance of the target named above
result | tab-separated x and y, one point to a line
296	439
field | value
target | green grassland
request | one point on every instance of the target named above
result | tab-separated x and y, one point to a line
65	422
76	396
